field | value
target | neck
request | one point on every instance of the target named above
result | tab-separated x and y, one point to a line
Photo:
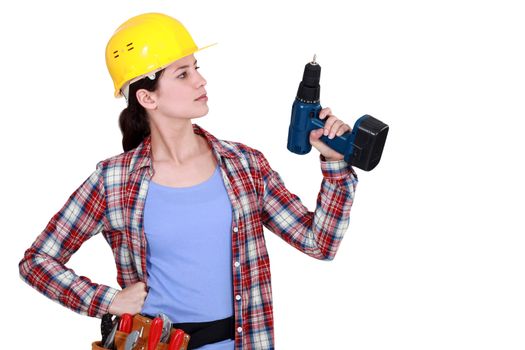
175	142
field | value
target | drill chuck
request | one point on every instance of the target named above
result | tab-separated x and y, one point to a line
309	88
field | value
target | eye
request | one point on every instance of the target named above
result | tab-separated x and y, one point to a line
183	75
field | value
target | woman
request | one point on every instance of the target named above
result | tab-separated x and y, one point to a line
182	210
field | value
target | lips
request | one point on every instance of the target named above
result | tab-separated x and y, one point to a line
200	97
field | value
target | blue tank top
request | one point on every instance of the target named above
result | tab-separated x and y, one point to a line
189	258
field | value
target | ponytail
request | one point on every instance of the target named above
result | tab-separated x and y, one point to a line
133	120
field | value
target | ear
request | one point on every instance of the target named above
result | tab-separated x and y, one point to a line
146	99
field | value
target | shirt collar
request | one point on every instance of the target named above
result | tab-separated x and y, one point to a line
141	156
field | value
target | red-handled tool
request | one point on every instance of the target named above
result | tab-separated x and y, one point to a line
155	331
125	324
176	340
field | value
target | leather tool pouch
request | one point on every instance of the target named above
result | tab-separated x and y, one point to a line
141	324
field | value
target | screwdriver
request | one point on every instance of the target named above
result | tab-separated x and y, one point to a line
126	323
176	340
155	332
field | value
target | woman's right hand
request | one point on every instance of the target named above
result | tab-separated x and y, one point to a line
129	300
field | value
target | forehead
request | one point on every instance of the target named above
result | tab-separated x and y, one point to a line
185	61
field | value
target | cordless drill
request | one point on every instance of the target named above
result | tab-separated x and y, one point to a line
362	147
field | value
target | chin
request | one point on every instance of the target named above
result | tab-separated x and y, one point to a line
198	116
202	113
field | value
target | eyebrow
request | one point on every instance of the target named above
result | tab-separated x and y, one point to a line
186	66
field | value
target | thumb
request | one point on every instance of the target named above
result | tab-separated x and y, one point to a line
316	134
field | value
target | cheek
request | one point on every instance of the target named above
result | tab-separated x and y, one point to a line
175	97
177	101
171	92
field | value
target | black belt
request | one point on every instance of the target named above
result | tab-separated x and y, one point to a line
202	333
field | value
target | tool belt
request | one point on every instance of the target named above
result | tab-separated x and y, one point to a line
196	334
202	333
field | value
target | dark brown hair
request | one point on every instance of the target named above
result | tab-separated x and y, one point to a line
133	120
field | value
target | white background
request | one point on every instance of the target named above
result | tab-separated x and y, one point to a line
434	255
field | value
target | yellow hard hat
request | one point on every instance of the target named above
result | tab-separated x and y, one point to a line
145	44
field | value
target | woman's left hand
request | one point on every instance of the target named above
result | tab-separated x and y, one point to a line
332	127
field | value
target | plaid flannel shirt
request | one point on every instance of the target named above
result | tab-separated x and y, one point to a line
111	200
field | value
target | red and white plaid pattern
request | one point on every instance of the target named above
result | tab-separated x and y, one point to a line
111	200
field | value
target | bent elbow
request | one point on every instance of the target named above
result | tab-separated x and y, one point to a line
324	255
23	267
328	254
27	264
329	257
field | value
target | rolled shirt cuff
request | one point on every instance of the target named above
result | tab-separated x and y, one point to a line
336	169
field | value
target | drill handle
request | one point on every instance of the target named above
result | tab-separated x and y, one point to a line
305	118
338	143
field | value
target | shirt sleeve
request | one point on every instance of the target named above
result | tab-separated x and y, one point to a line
43	265
318	233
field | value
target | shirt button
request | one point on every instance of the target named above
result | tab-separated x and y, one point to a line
237	264
239	329
235	229
238	297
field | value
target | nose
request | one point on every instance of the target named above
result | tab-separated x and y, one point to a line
199	80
